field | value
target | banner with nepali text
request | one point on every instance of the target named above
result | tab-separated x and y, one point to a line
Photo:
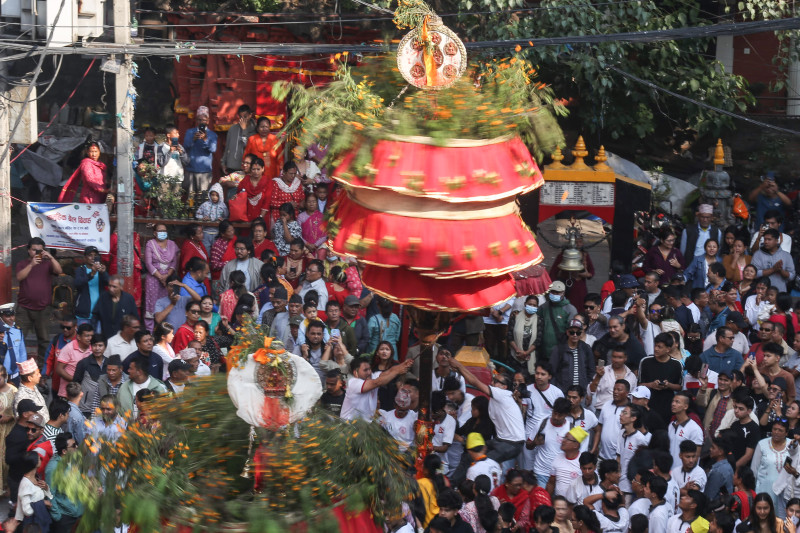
70	226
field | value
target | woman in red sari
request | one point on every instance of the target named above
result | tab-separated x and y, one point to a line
258	229
258	189
193	247
91	173
265	145
222	249
287	188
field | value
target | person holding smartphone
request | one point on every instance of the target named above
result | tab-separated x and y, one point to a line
91	278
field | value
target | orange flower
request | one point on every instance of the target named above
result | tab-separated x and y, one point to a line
517	48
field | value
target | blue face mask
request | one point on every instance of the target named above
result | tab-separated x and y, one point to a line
161	235
555	297
531	309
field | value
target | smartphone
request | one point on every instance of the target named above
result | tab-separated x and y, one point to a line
704	371
176	290
39	252
601	362
174	141
788	462
335	333
751	356
202	128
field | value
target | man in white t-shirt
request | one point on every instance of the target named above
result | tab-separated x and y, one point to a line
399	422
566	466
546	443
539	406
630	440
578	416
454	393
503	411
481	463
361	398
689	475
608	430
443	435
682	428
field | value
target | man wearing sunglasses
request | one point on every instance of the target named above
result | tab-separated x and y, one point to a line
572	362
14	340
68	330
17	446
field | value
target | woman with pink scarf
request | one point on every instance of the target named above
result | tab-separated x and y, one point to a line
92	174
313	228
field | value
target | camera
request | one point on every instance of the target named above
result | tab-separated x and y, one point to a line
523	391
202	128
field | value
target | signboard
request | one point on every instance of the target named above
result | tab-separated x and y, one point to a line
70	226
568	193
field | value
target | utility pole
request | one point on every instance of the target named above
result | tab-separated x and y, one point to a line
124	117
5	191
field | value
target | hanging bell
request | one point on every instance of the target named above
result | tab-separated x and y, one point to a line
572	261
572	258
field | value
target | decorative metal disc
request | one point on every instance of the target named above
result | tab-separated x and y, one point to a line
448	56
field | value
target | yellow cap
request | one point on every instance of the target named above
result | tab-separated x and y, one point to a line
700	525
579	433
475	440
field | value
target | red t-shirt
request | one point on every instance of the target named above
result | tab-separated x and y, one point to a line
35	290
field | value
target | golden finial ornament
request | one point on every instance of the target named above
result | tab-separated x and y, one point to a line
719	153
557	157
601	159
579	152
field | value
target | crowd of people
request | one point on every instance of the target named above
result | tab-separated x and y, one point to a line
666	403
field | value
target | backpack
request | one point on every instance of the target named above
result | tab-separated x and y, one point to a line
64	295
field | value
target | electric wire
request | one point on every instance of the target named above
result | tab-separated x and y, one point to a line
33	81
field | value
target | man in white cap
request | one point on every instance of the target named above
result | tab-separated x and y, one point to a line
201	144
694	237
556	313
14	341
399	422
650	419
28	390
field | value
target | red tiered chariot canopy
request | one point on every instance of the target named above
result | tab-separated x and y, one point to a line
437	223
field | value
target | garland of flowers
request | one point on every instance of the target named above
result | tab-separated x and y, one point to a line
183	470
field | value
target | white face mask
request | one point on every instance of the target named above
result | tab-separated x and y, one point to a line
161	235
333	258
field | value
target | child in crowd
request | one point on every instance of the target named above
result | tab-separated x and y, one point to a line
212	209
176	157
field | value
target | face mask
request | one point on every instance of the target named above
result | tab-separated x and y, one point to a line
333	258
161	235
531	309
555	297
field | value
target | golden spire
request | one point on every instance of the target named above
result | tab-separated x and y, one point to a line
557	157
601	159
579	152
719	153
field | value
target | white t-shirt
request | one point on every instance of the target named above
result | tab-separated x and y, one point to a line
678	433
402	429
538	409
588	422
611	431
505	413
544	454
676	524
359	404
626	447
465	409
438	381
607	525
443	434
640	506
579	490
118	346
486	467
566	471
658	518
673	495
698	475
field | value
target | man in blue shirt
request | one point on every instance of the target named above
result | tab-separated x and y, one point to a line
767	196
721	473
721	357
200	144
14	340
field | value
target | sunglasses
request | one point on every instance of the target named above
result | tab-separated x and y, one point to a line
33	429
574	333
67	328
590	307
194	311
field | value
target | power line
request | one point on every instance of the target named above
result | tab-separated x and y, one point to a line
33	81
702	104
295	49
